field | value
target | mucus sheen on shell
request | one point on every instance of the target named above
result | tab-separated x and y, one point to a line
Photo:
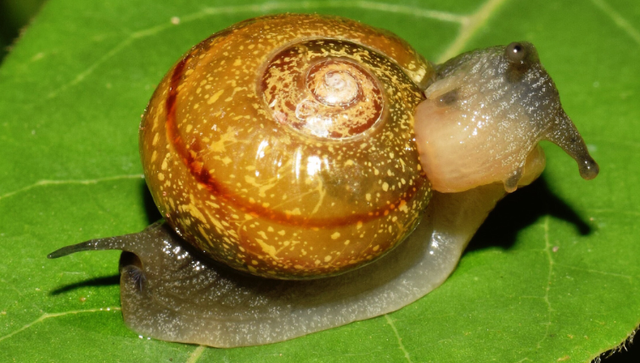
282	149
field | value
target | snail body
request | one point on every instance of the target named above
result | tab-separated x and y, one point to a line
297	195
485	113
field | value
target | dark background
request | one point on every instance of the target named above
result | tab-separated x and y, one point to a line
15	15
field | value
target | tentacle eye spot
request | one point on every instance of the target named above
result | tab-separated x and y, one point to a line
516	52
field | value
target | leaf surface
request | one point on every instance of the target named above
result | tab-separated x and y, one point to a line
551	276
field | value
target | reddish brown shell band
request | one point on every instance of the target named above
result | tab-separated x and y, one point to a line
264	196
205	178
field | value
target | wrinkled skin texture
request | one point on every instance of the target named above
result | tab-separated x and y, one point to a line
169	292
484	115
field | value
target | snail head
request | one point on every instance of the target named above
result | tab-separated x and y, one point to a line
484	115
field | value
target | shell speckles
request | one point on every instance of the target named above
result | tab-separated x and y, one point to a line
304	148
314	180
336	97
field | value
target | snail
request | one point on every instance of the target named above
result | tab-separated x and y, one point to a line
313	171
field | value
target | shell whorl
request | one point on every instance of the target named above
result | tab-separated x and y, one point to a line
335	97
276	183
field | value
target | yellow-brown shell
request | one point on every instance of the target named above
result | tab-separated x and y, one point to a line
263	168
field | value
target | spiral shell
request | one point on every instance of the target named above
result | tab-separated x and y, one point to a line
284	146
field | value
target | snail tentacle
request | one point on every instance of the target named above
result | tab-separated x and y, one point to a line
170	292
485	113
122	243
99	244
313	171
565	134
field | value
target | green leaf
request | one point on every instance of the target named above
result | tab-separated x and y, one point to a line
551	276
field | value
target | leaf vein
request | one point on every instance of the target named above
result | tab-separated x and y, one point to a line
195	355
618	20
46	182
470	26
46	316
545	298
267	7
599	272
395	331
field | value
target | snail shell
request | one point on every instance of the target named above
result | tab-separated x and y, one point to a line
322	177
284	146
